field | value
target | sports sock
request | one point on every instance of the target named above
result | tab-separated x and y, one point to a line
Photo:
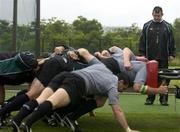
41	111
65	110
25	111
84	108
16	104
17	94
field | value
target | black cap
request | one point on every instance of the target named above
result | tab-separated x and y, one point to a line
29	59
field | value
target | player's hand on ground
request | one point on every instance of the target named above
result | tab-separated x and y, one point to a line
134	131
130	130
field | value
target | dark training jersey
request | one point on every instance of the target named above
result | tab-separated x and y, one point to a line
17	68
157	41
56	65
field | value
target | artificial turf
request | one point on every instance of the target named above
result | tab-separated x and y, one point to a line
155	118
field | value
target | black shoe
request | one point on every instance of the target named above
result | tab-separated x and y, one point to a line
14	126
72	124
4	104
164	103
25	128
50	120
164	99
148	102
59	119
3	122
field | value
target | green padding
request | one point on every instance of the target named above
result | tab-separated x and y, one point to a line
13	66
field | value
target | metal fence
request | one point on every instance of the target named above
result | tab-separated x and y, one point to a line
18	25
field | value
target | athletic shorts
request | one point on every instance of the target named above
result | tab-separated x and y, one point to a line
50	69
72	83
17	79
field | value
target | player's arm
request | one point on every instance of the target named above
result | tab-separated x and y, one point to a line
82	52
127	55
119	115
145	89
100	55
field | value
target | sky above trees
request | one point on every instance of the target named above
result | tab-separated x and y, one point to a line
107	12
110	12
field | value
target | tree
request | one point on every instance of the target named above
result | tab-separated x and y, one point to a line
90	31
176	29
53	31
123	37
5	36
25	38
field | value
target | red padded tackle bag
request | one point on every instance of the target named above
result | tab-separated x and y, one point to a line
152	74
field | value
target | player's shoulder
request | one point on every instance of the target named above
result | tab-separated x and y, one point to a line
147	23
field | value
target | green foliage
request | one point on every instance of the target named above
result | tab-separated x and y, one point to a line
5	36
87	26
53	31
81	33
123	37
25	38
176	26
91	31
175	62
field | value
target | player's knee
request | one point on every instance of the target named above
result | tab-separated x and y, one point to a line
99	103
33	94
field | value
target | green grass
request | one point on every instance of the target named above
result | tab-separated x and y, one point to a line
175	62
155	118
175	82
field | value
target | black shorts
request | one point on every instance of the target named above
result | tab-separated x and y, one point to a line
112	65
72	83
50	69
17	79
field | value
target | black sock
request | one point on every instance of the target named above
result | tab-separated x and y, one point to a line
27	109
64	110
84	108
22	92
10	99
16	104
41	111
17	94
50	114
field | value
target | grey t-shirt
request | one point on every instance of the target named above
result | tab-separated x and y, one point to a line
116	53
138	74
100	81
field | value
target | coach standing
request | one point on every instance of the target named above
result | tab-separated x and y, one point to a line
157	43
